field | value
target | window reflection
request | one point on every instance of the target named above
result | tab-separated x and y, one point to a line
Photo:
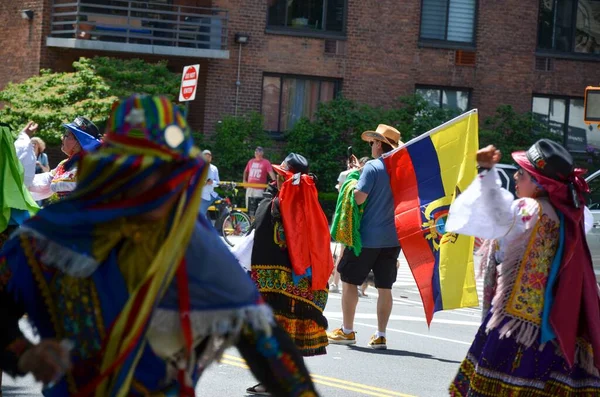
288	99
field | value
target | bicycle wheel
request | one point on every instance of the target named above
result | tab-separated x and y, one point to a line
235	224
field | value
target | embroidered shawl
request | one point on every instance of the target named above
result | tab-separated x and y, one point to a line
345	228
145	135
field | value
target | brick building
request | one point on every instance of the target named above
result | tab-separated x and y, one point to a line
533	54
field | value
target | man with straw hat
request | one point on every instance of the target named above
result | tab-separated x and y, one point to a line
380	248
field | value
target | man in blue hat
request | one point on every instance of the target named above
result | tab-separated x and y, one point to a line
81	135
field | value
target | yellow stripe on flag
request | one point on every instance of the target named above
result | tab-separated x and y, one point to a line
456	145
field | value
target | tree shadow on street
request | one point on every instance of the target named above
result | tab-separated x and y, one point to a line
401	353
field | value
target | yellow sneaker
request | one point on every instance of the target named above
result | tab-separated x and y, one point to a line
378	343
338	337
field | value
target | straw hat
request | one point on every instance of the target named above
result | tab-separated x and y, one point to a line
385	134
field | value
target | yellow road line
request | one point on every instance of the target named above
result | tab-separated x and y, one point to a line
327	381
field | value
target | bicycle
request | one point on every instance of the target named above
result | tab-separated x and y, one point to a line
230	222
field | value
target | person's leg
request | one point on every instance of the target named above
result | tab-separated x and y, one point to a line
335	275
204	207
353	271
349	303
363	288
248	200
385	303
385	273
276	363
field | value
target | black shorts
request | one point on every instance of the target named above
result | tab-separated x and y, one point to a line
382	261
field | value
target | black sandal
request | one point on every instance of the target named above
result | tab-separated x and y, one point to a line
254	390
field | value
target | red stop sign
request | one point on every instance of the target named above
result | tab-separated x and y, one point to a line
189	82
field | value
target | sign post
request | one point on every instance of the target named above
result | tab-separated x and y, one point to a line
189	85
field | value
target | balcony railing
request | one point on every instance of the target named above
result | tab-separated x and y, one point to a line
140	27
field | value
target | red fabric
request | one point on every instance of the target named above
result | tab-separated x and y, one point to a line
408	221
576	309
185	307
306	230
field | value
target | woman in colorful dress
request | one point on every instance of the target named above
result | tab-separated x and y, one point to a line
291	257
129	292
80	135
541	335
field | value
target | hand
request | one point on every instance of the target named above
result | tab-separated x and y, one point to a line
353	162
209	181
31	128
47	361
38	163
488	156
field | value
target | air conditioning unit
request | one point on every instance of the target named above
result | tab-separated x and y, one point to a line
465	58
544	64
335	47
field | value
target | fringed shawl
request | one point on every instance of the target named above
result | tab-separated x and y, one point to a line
345	228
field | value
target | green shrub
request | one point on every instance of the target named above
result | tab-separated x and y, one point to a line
51	99
340	123
510	131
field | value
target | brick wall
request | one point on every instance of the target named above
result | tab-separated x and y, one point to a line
384	59
264	53
20	40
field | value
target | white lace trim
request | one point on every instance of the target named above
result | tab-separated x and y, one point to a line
221	327
56	255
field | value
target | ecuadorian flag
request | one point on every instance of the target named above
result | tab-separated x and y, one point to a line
426	175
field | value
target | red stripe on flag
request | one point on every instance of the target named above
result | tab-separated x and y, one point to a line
408	219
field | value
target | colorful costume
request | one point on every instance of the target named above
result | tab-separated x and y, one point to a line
291	258
15	201
345	228
530	343
58	183
148	304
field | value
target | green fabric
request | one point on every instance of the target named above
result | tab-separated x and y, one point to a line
13	194
345	228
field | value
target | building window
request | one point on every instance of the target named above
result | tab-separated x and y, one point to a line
308	15
287	99
569	26
446	98
564	116
448	20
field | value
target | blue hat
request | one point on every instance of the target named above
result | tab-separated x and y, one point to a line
85	132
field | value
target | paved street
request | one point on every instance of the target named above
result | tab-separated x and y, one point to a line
418	362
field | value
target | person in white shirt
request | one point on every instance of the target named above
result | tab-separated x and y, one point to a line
25	151
212	180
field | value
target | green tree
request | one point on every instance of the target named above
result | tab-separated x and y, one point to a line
234	142
51	99
340	123
510	131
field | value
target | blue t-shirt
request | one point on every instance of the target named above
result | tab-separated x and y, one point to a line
377	229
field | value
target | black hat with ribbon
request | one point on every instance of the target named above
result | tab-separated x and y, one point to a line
293	163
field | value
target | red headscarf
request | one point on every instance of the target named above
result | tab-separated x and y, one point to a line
305	227
576	309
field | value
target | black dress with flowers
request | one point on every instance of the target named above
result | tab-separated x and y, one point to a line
297	307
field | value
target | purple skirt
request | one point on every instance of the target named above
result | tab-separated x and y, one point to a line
503	367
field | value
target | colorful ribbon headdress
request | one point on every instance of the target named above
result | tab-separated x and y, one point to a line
145	135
